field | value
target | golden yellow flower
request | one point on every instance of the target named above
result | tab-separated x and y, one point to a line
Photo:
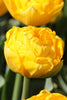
46	95
3	8
34	12
34	52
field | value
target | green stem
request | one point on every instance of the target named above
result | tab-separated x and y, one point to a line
25	88
17	87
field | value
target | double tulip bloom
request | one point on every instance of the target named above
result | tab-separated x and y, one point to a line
34	12
46	95
3	8
34	52
30	51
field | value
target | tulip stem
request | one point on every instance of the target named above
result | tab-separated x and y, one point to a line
25	91
17	87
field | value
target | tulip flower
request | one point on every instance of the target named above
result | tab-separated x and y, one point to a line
3	8
34	52
34	12
46	95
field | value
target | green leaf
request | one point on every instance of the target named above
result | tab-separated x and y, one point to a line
2	59
2	81
48	84
7	70
13	22
63	85
65	9
64	73
8	86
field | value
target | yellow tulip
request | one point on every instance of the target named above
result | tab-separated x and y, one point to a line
34	52
46	95
3	8
34	12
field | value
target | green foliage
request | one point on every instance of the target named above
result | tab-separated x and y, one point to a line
2	81
8	86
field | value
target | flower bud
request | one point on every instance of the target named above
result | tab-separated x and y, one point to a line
34	12
34	52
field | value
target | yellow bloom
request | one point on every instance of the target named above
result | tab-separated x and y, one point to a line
3	8
46	95
34	12
34	52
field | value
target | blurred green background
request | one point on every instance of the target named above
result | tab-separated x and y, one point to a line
57	83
